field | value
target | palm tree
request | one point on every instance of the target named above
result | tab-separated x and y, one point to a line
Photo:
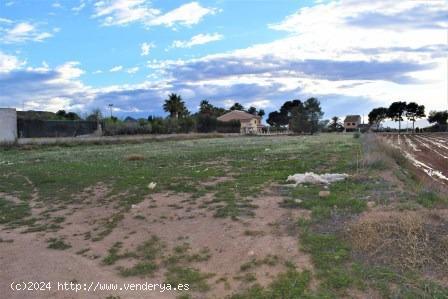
174	105
335	125
205	107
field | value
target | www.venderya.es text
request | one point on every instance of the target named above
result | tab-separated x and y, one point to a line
71	286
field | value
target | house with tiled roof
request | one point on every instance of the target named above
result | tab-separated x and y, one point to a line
250	123
352	122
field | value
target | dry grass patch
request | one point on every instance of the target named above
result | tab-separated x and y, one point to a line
135	157
410	240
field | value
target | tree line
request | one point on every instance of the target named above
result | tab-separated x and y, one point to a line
295	115
400	110
179	119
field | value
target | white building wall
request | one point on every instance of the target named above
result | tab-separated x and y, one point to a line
8	125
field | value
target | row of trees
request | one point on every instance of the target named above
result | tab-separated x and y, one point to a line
397	111
298	116
179	120
176	108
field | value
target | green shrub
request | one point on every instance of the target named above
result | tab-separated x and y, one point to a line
206	124
117	127
187	124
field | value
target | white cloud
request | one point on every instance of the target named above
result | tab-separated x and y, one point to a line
116	69
52	104
340	49
9	63
259	104
80	7
4	20
187	15
70	70
228	103
43	88
340	30
132	70
199	39
349	54
145	48
97	72
123	12
23	32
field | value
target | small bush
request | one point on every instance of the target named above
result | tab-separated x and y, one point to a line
58	244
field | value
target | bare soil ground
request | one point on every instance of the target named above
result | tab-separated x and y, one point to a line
175	219
218	214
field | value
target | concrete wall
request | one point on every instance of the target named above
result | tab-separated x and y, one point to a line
8	125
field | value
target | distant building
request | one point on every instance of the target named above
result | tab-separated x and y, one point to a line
250	123
130	120
352	122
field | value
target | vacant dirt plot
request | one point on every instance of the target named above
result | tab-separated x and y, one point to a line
215	214
258	246
87	214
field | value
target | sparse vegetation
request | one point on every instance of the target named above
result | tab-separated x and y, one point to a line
140	269
11	212
58	244
184	275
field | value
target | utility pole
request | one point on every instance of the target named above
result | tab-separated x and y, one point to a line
110	107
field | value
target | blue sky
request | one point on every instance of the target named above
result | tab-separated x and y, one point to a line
353	55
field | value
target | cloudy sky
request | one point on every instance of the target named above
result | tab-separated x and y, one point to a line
79	55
